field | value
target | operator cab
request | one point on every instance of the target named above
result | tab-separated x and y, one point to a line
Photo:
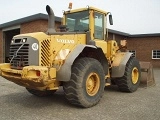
86	19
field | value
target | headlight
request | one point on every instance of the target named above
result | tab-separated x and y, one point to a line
24	40
12	41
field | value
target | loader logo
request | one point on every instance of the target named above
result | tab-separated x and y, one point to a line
35	46
65	41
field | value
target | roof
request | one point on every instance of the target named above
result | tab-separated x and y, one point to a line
28	19
146	35
134	35
118	32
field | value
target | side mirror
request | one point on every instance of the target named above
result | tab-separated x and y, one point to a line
110	19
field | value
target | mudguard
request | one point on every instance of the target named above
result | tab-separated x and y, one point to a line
64	73
119	64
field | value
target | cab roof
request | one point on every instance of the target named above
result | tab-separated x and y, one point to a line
83	9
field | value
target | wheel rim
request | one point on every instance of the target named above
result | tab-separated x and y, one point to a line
135	75
92	84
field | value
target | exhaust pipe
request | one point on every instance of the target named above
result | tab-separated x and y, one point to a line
51	20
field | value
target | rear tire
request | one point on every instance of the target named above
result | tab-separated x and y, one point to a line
41	93
131	79
87	83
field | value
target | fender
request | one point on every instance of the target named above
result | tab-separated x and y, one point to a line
119	64
64	73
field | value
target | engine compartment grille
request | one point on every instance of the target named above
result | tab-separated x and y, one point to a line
45	53
19	55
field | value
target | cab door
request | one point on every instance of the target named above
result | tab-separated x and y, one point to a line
100	31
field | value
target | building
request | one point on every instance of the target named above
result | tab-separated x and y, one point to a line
146	47
34	23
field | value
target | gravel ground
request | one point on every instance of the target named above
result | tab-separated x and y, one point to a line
17	104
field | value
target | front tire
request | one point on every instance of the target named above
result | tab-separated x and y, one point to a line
87	83
131	79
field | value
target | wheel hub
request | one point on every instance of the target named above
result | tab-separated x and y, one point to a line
92	84
135	75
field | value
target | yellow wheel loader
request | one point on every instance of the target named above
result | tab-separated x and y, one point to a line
78	57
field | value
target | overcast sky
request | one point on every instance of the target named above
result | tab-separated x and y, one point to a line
130	16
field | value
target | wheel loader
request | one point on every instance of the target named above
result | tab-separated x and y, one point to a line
77	56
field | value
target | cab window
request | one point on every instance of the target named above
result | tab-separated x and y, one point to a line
78	21
98	26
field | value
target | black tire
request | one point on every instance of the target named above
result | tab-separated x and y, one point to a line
127	83
86	72
41	93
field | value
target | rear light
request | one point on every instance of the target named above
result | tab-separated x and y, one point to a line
38	73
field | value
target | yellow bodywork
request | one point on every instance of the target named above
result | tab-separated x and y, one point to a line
28	78
54	50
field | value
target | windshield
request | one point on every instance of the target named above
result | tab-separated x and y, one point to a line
78	22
